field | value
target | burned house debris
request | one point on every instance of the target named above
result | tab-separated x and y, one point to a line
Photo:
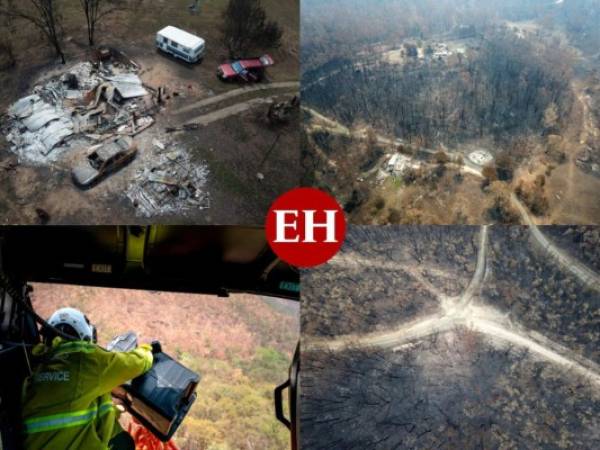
169	183
90	102
87	117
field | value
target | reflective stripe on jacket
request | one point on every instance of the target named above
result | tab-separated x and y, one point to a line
67	403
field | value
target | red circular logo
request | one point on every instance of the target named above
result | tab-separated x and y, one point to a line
305	227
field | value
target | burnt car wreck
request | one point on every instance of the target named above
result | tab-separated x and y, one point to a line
102	160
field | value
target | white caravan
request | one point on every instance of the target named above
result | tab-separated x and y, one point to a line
180	44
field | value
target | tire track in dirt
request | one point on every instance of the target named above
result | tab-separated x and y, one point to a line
587	128
477	280
287	85
223	113
334	127
577	268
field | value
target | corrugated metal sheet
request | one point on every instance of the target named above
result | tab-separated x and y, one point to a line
43	114
129	85
56	113
55	133
24	107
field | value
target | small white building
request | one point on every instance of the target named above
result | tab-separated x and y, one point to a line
399	163
180	44
392	162
481	157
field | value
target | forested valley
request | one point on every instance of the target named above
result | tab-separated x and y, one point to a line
481	106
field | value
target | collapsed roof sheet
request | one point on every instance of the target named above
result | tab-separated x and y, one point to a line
43	114
24	107
45	125
59	111
129	85
55	133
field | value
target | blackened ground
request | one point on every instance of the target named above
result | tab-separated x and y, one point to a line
511	362
453	391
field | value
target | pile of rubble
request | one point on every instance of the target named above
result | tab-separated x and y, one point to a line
171	184
89	102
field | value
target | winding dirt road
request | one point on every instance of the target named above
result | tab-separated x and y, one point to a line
286	85
567	262
228	111
334	127
464	311
199	113
587	276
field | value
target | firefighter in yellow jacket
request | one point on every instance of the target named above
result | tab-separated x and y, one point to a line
67	403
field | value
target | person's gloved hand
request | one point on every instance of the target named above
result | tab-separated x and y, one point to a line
156	347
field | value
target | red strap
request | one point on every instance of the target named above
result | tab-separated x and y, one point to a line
145	440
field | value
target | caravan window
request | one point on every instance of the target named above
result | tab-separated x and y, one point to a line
174	44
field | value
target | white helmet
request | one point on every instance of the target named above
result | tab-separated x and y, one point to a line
76	320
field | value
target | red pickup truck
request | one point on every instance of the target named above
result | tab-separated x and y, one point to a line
246	70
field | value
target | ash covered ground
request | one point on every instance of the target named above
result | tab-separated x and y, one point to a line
498	350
